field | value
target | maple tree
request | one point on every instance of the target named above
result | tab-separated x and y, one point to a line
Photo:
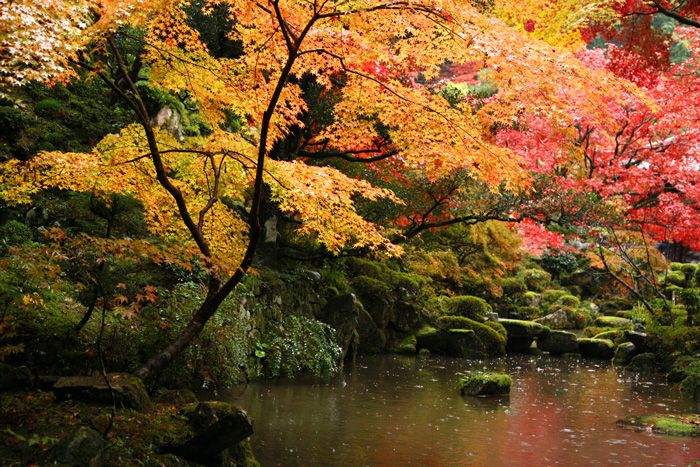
206	191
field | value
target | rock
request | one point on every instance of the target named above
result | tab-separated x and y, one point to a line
18	378
557	320
177	397
371	339
342	313
313	276
169	120
690	387
218	426
624	354
404	317
47	382
463	343
599	348
81	448
532	299
492	317
639	339
644	363
485	384
665	424
558	342
129	391
612	322
405	346
432	339
521	334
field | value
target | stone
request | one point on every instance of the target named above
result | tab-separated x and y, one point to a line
177	397
342	313
612	322
129	391
464	343
485	384
520	334
532	299
314	276
217	426
639	339
558	342
624	354
404	317
81	448
371	340
432	339
599	348
644	363
556	320
19	378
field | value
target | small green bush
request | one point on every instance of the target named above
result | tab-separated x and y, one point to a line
552	295
47	108
468	306
14	233
529	312
536	280
689	269
559	263
674	266
513	286
675	278
568	300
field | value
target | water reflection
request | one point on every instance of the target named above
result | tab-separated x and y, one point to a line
395	411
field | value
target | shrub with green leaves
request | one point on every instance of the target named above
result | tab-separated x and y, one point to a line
568	300
559	263
468	306
536	280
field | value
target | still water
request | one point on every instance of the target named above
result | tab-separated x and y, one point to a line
399	411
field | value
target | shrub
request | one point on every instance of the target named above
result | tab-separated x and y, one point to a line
529	312
47	108
493	340
568	300
675	278
468	306
513	286
536	280
14	233
552	295
559	263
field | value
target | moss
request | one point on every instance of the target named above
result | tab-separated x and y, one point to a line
484	384
568	300
552	295
406	346
431	339
529	312
535	279
675	278
617	336
490	335
689	269
682	368
677	425
513	286
690	386
611	322
468	306
674	266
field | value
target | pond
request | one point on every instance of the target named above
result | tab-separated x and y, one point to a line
396	411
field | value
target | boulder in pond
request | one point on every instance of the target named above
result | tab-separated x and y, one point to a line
464	343
484	384
432	339
129	391
644	363
665	424
81	448
521	334
404	317
599	348
624	354
342	313
217	426
639	339
558	342
371	339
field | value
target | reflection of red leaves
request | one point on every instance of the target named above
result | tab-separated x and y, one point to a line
529	25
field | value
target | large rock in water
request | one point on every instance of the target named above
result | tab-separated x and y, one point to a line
600	348
463	343
558	342
485	384
404	317
218	427
342	313
521	334
128	390
371	339
624	354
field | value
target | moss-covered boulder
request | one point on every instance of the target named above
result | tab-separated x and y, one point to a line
492	335
612	322
217	427
521	334
644	363
617	336
665	424
81	448
405	346
129	391
484	384
464	343
404	317
682	368
558	342
342	313
431	339
371	340
599	348
624	354
532	299
690	387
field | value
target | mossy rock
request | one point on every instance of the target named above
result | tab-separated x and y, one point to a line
485	384
431	339
617	336
568	300
624	353
664	424
558	343
491	334
552	295
529	312
464	343
520	334
532	299
468	306
644	363
536	280
371	339
599	348
129	391
406	346
513	287
612	322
